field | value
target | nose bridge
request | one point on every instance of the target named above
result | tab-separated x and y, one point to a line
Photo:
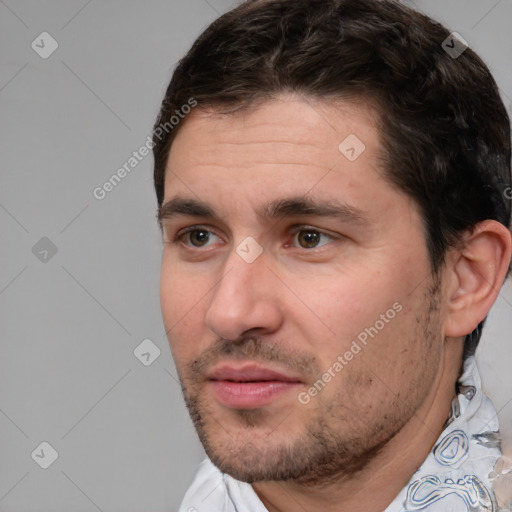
240	299
237	287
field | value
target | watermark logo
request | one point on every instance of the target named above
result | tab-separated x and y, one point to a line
249	249
44	455
352	147
454	45
44	250
44	45
146	352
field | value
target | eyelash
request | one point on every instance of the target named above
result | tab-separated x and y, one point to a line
294	231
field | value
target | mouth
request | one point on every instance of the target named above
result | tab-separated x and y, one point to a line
249	386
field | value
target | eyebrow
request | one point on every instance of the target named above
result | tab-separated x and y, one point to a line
278	209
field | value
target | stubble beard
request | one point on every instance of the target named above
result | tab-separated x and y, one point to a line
323	454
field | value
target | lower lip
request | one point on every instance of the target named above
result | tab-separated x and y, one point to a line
249	395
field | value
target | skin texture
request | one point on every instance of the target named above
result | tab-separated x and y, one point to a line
298	306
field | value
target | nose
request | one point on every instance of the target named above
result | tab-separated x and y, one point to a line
245	298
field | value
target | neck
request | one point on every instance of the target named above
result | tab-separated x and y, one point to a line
374	487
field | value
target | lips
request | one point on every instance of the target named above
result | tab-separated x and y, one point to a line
249	373
249	386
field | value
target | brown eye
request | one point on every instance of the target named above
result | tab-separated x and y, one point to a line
311	238
196	237
201	236
308	239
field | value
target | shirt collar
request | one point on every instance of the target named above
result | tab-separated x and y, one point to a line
455	474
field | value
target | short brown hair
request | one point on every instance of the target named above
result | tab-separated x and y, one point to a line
444	128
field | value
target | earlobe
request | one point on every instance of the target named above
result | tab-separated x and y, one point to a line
477	272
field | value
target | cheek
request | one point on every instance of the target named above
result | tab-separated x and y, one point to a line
367	318
182	311
343	306
180	289
169	304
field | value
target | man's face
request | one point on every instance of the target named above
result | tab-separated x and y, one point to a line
256	325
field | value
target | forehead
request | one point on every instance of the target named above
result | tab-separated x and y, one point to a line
288	131
279	150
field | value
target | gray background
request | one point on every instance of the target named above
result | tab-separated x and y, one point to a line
71	320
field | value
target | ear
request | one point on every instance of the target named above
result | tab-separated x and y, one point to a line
476	272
